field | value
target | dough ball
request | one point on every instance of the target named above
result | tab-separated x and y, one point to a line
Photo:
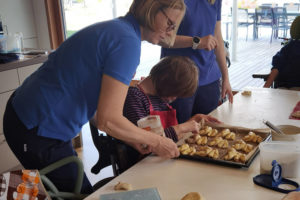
123	186
192	196
247	93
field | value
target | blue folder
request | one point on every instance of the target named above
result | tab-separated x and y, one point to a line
143	194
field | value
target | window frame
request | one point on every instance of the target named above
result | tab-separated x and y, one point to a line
55	22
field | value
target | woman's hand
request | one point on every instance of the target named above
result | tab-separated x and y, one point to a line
208	43
207	118
142	148
165	148
226	90
188	126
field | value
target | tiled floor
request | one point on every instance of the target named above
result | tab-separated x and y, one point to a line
89	155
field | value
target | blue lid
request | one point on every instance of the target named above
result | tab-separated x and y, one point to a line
274	180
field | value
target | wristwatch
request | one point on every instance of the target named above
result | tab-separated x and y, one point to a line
196	41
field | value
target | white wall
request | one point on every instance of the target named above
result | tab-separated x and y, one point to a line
28	17
41	24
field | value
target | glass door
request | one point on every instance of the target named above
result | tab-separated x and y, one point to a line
78	14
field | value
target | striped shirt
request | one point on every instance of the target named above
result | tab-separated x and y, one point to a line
137	106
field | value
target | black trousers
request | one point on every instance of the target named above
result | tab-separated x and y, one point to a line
36	152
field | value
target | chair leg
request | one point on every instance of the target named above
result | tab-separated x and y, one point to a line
272	32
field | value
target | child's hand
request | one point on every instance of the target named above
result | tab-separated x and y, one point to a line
206	118
189	126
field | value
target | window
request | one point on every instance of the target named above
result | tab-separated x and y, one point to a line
81	13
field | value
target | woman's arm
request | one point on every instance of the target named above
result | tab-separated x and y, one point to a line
208	42
221	59
271	78
110	119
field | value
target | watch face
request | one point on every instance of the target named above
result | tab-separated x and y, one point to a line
196	40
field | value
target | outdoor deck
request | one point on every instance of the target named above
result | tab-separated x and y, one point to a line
253	56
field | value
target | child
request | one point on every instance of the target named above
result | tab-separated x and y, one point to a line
172	77
286	63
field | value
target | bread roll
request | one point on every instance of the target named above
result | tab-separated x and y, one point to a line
192	196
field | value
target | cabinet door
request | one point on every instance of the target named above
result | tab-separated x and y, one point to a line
3	100
7	158
24	72
8	80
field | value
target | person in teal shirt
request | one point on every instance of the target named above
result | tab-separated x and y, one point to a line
86	78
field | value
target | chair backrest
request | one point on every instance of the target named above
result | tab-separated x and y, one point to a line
292	6
243	16
280	16
270	4
264	15
111	152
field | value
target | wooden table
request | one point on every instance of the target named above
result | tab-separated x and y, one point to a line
176	177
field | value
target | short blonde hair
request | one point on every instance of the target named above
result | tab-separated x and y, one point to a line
145	10
175	76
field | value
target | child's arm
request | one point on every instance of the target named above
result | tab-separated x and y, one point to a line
188	126
207	118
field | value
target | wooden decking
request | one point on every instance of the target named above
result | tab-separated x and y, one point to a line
253	56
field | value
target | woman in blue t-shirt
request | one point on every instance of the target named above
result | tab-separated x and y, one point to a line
89	72
199	37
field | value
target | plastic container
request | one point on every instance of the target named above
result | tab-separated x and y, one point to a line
287	154
151	123
292	133
11	43
3	44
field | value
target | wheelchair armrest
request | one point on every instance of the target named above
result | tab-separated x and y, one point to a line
262	76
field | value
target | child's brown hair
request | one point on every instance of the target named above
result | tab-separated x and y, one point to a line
175	76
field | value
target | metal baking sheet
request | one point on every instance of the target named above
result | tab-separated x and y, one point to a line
265	133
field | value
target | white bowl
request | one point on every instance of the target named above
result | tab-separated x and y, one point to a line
292	133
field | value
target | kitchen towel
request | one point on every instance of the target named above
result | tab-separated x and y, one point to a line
297	108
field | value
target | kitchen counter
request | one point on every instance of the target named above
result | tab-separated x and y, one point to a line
26	61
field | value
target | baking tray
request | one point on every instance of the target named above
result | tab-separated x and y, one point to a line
264	133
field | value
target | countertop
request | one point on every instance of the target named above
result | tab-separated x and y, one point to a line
27	60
